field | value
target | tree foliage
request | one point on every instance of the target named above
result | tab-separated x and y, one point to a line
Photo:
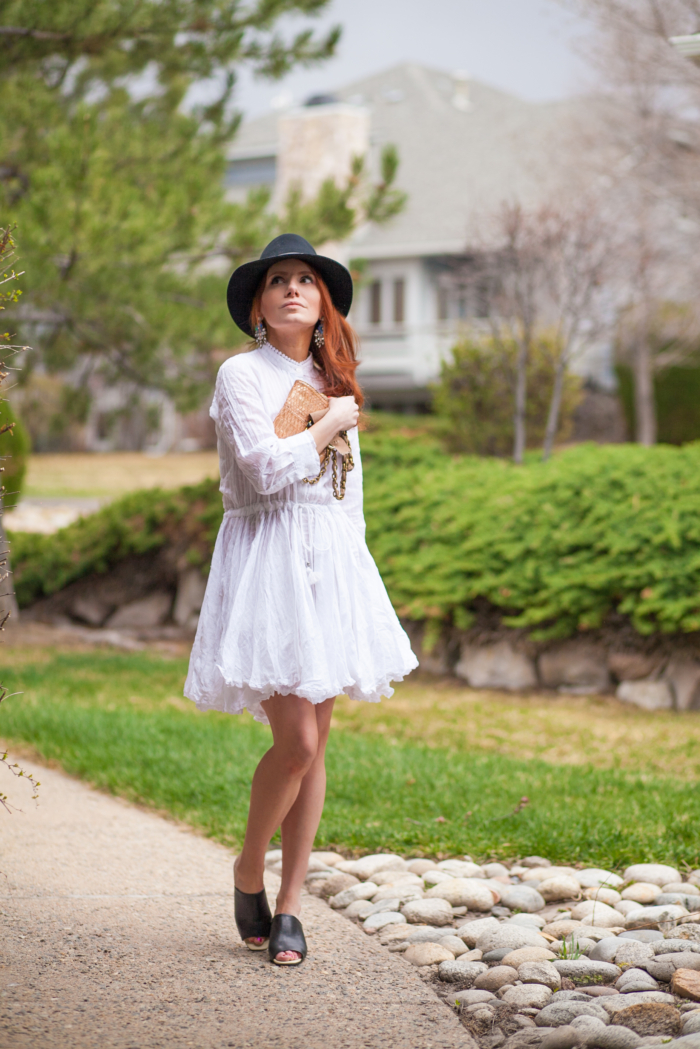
474	396
116	176
556	548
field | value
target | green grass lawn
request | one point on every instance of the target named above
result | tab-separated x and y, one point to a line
119	721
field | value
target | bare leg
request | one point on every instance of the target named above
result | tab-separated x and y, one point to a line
300	731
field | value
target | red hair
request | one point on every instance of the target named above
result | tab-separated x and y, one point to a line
337	357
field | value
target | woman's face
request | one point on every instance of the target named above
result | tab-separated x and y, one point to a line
291	299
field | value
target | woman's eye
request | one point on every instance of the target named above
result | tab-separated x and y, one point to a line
306	279
276	280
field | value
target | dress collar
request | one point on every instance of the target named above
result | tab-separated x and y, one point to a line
275	355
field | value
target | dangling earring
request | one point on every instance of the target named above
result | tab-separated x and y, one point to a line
260	334
318	334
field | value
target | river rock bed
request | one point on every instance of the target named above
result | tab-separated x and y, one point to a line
532	954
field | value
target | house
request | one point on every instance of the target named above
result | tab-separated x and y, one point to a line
464	149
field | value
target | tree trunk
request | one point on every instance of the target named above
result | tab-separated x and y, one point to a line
554	408
520	404
644	403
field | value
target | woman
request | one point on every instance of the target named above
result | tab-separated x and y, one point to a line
295	612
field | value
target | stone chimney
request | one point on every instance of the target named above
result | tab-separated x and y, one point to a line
316	142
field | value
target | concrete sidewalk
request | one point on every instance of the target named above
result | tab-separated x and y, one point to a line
118	931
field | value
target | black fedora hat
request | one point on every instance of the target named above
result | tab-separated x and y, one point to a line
245	280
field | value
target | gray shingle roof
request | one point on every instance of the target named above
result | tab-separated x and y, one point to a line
456	165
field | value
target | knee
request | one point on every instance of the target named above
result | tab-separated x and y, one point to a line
297	758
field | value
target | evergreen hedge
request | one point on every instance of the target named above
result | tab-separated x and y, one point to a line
677	397
555	547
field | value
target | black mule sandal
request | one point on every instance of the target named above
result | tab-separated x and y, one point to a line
286	934
253	917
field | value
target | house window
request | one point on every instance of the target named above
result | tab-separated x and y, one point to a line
375	302
399	299
442	304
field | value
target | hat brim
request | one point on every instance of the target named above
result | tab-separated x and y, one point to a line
245	280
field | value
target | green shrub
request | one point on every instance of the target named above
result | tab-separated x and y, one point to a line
474	397
554	547
677	397
14	452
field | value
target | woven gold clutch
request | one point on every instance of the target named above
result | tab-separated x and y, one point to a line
303	401
304	407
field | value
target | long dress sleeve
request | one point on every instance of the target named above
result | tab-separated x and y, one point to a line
352	503
269	462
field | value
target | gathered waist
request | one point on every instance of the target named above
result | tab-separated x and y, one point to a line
275	505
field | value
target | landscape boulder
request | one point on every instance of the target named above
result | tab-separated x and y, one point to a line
496	666
578	666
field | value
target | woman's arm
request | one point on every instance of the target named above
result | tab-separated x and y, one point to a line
269	462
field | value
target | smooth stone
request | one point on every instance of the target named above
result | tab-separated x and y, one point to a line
680	939
680	899
542	873
426	934
593	933
513	936
596	913
471	997
522	898
453	944
589	1028
630	952
540	972
686	983
642	935
649	1018
461	869
382	918
329	858
394	934
367	866
461	971
690	1041
497	956
560	887
495	870
559	1013
471	931
616	1038
434	877
599	992
531	861
625	906
641	892
495	978
656	873
463	892
420	954
691	1022
358	909
582	969
390	904
562	927
570	996
331	884
398	894
624	1001
605	950
531	921
528	954
682	886
383	878
633	980
421	867
655	914
360	891
565	1037
603	895
593	877
528	996
434	912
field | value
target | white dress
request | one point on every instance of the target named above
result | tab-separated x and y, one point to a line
294	602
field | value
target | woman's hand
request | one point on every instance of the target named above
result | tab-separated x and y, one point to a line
342	414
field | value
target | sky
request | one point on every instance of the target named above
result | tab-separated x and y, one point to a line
527	47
